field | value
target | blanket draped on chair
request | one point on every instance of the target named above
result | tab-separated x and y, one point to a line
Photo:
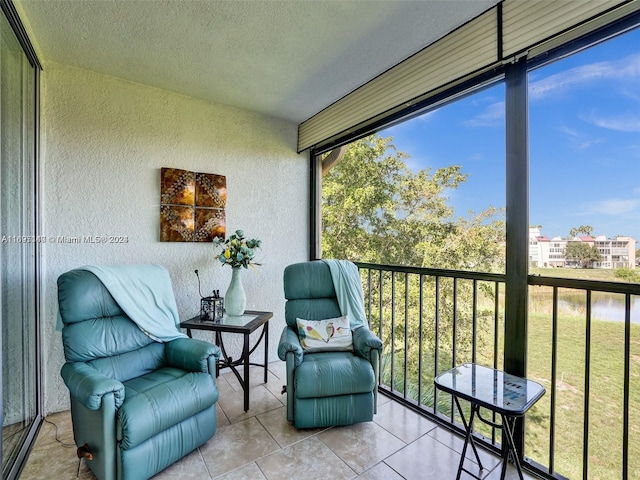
348	287
145	294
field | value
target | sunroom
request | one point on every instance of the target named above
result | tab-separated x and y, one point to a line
99	97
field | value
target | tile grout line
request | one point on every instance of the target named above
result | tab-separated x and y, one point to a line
205	463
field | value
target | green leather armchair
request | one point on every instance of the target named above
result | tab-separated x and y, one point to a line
325	388
137	404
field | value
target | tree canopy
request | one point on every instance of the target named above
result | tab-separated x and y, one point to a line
582	254
584	229
375	209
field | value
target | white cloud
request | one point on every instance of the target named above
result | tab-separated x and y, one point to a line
625	69
569	131
578	139
630	93
425	117
588	143
613	206
619	123
478	102
493	116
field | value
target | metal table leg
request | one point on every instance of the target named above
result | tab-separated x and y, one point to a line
266	350
244	360
509	447
509	450
468	439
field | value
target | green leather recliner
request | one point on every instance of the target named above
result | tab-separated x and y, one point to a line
138	404
325	388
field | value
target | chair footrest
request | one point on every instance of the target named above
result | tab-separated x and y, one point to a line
333	373
333	411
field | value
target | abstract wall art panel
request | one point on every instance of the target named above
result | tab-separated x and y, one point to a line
177	187
176	223
210	223
211	190
192	206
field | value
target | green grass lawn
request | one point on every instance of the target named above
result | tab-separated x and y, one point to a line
601	274
605	396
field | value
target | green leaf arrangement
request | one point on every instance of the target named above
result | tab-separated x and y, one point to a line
237	251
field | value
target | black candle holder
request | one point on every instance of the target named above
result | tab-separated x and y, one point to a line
211	309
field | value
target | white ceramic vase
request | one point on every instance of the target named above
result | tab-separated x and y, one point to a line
235	300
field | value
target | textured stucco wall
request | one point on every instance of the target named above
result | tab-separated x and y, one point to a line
103	143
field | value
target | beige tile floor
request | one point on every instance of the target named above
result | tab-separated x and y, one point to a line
261	445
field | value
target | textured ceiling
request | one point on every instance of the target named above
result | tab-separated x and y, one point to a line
288	59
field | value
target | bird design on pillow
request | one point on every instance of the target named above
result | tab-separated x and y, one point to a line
331	334
330	329
312	332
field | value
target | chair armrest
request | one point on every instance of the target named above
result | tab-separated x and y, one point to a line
364	341
88	386
289	342
192	355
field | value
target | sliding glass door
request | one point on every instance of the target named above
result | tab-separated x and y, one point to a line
18	294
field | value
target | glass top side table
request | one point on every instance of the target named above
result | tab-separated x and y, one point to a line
243	324
507	395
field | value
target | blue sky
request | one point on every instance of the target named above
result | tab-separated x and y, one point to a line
584	114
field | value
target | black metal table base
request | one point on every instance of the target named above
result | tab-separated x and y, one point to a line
245	325
228	361
509	451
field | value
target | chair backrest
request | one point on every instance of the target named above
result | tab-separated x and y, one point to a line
309	291
98	332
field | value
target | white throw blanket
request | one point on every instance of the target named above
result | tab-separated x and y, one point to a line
348	287
145	294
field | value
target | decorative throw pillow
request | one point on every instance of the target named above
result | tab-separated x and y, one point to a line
332	334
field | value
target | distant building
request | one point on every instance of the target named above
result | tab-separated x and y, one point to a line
616	252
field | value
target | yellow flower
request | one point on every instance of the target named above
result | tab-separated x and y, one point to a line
236	250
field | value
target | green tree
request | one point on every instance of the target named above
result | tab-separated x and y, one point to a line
582	253
584	229
374	209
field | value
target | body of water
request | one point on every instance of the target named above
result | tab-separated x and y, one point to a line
604	306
